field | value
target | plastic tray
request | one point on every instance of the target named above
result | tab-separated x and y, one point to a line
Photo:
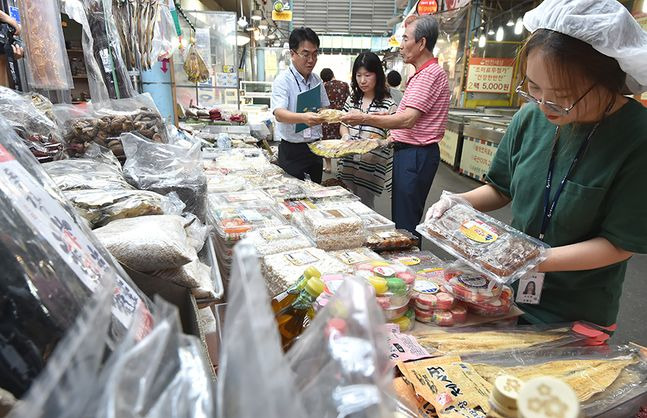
398	239
231	223
337	221
278	239
219	183
491	246
241	198
470	285
374	222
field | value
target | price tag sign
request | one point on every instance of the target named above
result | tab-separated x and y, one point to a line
39	209
490	75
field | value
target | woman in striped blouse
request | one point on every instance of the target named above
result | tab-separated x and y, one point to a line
368	175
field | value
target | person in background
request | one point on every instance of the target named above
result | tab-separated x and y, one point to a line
418	125
294	155
18	52
368	175
337	91
573	162
394	79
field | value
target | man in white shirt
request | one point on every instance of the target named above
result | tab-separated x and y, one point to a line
294	155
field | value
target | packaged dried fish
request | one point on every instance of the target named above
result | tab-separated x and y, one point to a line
331	115
148	243
86	174
194	66
497	249
337	148
399	239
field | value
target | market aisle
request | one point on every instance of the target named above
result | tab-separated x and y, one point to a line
632	311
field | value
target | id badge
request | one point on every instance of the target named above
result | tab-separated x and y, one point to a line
307	133
530	286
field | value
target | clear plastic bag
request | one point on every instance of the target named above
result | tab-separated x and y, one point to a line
489	245
48	67
148	243
341	361
165	168
67	381
86	174
165	40
251	358
52	263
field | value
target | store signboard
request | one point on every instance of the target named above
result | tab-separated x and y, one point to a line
427	7
490	75
476	157
282	11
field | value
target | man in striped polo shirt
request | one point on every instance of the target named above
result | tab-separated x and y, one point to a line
417	126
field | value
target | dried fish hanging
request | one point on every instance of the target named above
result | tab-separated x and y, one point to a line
136	21
107	48
47	61
194	65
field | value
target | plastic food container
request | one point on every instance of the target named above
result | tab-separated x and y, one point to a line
500	251
241	198
394	313
231	223
497	307
406	321
278	239
398	239
469	285
443	318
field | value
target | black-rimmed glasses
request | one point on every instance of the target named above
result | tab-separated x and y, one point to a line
552	106
307	55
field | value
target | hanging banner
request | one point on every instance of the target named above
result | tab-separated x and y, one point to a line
454	4
281	11
427	7
490	75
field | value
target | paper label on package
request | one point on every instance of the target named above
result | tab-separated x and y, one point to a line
426	286
432	272
530	287
301	258
352	257
403	347
251	215
409	261
479	231
278	234
39	209
473	282
106	60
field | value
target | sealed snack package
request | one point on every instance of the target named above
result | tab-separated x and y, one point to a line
331	115
356	256
251	355
487	244
332	221
148	243
232	223
337	148
165	168
424	263
470	285
487	339
398	239
283	269
277	239
453	387
239	198
52	264
340	362
85	174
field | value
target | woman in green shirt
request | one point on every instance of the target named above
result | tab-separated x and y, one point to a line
573	162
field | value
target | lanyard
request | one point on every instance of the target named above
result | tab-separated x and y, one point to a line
297	80
549	207
368	110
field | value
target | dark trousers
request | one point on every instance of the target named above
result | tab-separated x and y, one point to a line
414	169
297	160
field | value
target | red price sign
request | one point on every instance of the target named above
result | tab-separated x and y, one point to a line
427	7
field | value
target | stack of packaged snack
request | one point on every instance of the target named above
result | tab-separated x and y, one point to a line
332	229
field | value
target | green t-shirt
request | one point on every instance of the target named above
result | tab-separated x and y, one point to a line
603	197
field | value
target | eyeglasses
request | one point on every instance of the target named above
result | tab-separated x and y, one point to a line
307	55
553	107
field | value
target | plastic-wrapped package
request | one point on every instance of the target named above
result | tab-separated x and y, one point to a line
499	306
163	374
232	223
48	67
491	339
405	322
219	183
286	192
399	239
86	174
52	263
67	381
196	232
100	207
332	221
423	263
497	249
165	37
338	148
356	256
242	198
469	284
429	294
341	362
331	194
165	168
283	269
602	377
443	318
34	127
148	243
251	354
277	239
374	222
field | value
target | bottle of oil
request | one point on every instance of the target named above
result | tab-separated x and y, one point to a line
291	318
285	299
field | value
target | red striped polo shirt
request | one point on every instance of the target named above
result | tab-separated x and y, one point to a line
427	91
